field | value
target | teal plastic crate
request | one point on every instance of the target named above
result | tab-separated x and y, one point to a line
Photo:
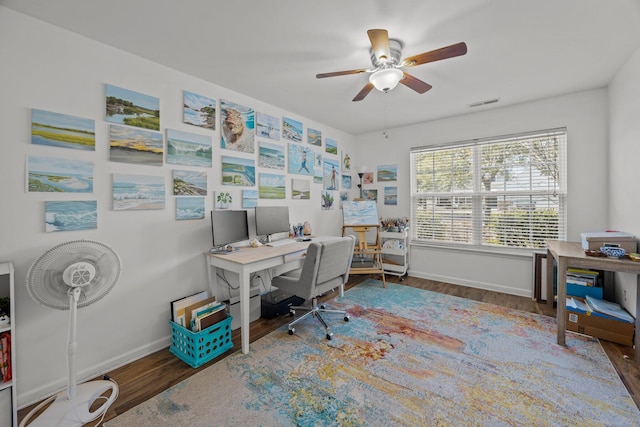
196	348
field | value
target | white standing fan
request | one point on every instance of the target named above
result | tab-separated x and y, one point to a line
69	276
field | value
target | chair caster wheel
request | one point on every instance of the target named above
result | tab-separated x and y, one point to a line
292	313
292	331
329	336
322	306
346	318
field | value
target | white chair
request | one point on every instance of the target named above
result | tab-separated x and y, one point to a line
325	267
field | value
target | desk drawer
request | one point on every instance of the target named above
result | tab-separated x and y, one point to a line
295	256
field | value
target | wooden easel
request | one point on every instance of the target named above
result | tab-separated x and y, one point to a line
363	248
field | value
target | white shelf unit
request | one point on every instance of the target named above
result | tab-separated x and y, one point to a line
395	252
8	394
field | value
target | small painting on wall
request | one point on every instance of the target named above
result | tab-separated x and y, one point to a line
367	178
238	171
300	159
249	199
138	192
189	183
370	195
237	127
51	174
62	130
131	145
189	208
344	196
346	182
300	189
346	162
223	200
189	149
314	137
126	107
330	174
291	129
390	195
71	215
272	186
331	146
267	126
199	110
271	155
327	201
317	175
387	173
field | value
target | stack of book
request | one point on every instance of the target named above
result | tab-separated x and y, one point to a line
5	357
198	311
582	283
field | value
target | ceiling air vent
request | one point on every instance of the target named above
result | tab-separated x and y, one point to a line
487	102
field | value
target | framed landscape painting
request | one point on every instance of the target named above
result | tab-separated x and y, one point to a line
56	175
314	137
291	129
189	149
199	110
131	145
387	173
238	171
138	192
331	146
126	107
189	183
271	155
71	215
62	130
272	186
189	208
300	189
249	199
390	195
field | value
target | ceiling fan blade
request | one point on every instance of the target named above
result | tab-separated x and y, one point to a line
340	73
364	92
380	43
415	83
457	49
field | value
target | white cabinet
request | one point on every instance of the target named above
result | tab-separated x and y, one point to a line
395	252
8	394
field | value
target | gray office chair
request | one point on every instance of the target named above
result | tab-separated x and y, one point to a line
326	267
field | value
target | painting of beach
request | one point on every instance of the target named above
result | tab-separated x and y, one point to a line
300	189
189	183
330	174
131	145
189	208
331	146
360	213
62	130
238	171
189	149
390	195
199	110
249	199
55	175
267	126
271	186
71	215
314	137
271	155
138	192
291	129
126	107
300	160
387	173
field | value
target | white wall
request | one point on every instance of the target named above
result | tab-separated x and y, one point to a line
584	115
624	161
48	68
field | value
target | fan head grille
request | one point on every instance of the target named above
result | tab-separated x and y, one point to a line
91	265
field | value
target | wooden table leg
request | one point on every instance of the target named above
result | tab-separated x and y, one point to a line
550	293
561	306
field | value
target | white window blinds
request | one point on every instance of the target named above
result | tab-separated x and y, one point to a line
507	191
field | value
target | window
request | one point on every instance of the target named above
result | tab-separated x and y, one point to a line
507	192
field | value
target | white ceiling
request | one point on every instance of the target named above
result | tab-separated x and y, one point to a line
518	50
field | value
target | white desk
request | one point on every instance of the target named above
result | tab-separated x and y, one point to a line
248	260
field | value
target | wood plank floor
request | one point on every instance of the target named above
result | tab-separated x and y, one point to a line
142	379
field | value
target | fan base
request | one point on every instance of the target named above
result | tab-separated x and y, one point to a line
77	411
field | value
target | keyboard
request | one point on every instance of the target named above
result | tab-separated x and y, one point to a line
281	242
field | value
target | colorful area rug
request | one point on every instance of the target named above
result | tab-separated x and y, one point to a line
408	357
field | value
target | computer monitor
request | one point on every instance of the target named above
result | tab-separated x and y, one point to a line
271	220
228	226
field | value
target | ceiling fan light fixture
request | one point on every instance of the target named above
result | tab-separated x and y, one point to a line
386	79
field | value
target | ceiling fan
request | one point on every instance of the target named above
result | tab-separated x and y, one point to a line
386	72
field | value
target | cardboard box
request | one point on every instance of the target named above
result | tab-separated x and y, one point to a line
599	325
593	241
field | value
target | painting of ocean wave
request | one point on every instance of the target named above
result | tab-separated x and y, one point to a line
199	110
62	130
138	192
189	149
189	208
238	171
360	213
50	174
71	215
271	155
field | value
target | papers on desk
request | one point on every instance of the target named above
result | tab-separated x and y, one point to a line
609	308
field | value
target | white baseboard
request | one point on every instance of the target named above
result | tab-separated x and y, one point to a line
29	397
473	284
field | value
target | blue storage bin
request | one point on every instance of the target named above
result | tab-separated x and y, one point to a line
197	348
583	291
